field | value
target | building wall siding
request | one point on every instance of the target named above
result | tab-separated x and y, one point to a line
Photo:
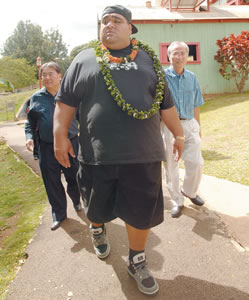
207	34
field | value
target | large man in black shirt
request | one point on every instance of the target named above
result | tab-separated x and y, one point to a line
120	90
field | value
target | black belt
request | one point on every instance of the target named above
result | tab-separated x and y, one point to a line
74	137
183	119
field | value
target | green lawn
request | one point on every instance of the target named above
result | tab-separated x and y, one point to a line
225	137
23	200
18	99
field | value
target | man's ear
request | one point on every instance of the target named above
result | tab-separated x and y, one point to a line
130	28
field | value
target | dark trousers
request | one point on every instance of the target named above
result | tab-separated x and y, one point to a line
131	192
51	172
36	144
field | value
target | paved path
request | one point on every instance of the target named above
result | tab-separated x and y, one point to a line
201	255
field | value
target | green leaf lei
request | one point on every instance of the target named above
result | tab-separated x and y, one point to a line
103	61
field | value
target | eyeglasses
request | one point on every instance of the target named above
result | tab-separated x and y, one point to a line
49	74
179	53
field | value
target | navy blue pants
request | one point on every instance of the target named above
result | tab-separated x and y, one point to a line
51	172
36	144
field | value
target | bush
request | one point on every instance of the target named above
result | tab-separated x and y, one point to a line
233	55
17	71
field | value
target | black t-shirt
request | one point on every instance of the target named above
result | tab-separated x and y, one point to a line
109	135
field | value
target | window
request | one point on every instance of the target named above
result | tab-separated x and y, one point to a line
193	58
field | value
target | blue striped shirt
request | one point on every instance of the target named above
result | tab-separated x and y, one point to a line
185	90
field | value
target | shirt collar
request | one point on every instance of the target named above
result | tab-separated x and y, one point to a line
174	74
46	92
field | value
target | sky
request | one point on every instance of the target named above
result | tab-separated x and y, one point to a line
76	20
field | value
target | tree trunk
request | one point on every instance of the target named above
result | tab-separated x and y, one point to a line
240	85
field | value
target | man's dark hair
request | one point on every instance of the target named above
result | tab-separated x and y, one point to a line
52	65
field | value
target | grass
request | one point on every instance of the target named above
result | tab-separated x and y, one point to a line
18	98
23	200
225	137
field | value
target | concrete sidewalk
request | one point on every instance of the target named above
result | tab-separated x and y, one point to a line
201	255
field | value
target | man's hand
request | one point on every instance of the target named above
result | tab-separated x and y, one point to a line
30	145
62	149
63	116
178	147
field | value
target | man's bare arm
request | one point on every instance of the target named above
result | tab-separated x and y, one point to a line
197	114
63	116
197	117
171	120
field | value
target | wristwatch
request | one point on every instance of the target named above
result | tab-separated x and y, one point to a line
182	138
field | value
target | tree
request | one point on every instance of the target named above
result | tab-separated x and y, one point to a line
53	47
17	71
233	55
25	42
76	50
28	41
64	63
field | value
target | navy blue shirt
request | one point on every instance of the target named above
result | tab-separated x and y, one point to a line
40	117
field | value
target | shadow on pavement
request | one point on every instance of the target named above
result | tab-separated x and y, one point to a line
206	222
214	155
79	233
189	288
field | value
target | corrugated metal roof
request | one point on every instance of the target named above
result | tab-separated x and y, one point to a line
159	13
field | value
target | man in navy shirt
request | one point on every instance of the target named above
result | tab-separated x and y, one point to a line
40	120
187	96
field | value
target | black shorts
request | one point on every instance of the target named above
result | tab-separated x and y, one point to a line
131	192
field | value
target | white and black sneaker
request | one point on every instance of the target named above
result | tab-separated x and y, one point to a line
100	241
146	283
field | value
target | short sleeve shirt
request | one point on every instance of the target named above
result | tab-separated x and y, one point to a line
185	90
109	135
